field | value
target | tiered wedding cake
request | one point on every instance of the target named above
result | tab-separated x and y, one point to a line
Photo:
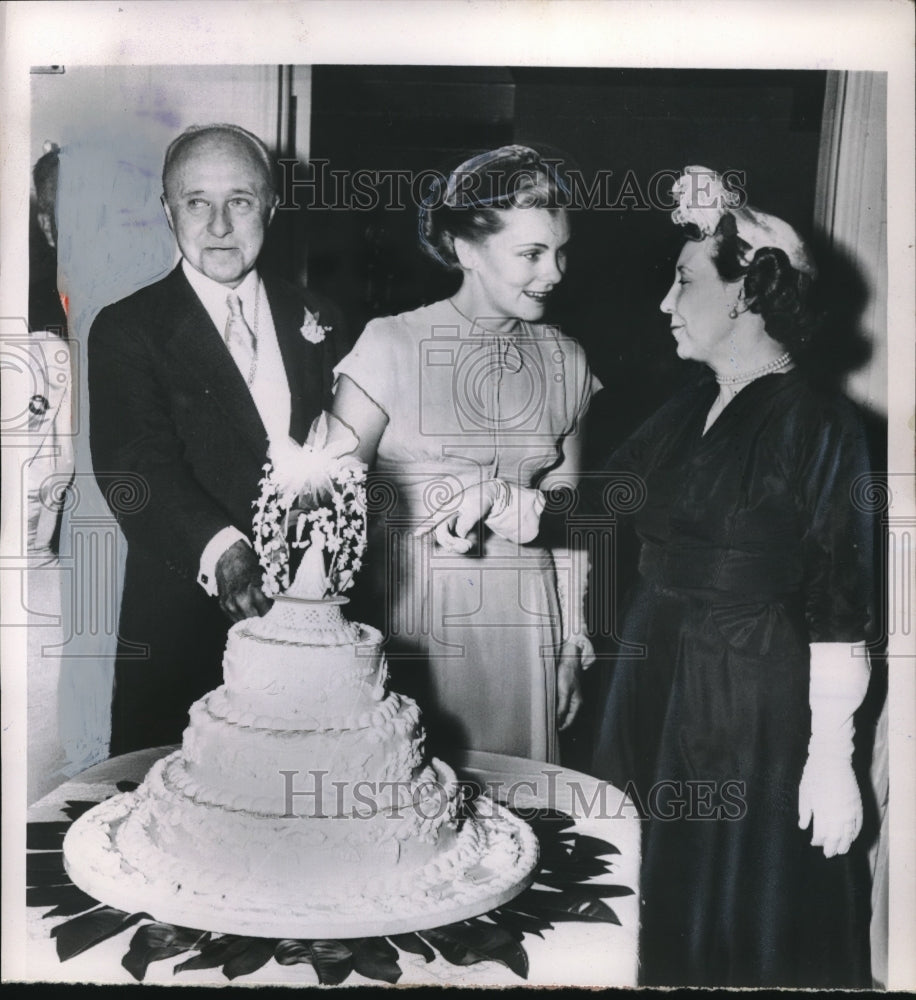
301	803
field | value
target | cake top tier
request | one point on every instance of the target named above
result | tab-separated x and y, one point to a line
310	516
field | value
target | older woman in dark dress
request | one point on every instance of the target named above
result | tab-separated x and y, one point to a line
733	732
736	728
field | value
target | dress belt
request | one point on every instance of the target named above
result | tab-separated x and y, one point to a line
762	575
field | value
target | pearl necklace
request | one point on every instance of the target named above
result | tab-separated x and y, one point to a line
772	366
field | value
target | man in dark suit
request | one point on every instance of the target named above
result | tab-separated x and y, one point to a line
190	379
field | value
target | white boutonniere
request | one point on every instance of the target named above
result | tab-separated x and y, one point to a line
312	330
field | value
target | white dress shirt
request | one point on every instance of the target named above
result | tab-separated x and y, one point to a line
269	388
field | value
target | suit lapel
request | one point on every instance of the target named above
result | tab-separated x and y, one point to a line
196	346
303	361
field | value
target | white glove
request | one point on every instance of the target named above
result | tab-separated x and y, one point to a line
828	792
519	520
572	586
512	512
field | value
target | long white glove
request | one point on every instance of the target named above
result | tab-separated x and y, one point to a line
572	587
828	793
575	652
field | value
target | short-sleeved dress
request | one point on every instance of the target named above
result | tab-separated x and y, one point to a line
753	545
472	637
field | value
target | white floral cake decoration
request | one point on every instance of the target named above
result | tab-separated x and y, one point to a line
312	498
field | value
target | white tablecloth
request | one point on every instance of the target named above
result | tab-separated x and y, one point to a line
572	954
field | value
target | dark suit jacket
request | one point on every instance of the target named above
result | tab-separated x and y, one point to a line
178	449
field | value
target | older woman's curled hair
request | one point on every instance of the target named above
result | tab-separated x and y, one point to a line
774	289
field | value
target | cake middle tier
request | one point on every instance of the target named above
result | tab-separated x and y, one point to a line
242	761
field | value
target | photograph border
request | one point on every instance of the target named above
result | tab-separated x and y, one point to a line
714	34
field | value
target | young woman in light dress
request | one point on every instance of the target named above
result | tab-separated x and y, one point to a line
475	392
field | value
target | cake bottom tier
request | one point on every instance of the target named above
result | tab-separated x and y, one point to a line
206	867
268	850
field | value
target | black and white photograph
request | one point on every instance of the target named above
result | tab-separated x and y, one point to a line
458	503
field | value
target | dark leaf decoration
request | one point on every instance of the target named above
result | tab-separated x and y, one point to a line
568	853
584	845
597	890
156	941
569	861
570	872
54	895
473	941
520	922
414	944
45	861
549	820
45	836
572	869
292	952
77	935
257	953
214	953
76	807
561	880
37	878
46	868
571	904
127	786
375	958
74	903
333	961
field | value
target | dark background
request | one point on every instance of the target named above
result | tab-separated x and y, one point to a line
621	260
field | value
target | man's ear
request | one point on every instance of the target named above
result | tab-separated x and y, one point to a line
167	210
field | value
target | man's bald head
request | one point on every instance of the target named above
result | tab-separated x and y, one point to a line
233	139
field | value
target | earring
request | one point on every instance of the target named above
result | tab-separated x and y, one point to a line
733	314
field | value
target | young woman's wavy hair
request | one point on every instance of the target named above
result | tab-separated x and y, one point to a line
471	202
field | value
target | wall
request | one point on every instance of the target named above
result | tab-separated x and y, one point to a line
113	125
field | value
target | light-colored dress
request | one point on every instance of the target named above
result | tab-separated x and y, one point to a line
472	637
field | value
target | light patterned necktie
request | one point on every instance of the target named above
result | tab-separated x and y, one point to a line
239	338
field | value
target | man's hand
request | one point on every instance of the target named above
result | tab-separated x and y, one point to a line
238	582
569	685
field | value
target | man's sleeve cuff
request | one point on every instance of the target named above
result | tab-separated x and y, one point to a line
222	540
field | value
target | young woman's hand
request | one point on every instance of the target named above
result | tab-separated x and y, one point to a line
569	685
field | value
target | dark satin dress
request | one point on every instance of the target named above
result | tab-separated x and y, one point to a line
752	548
